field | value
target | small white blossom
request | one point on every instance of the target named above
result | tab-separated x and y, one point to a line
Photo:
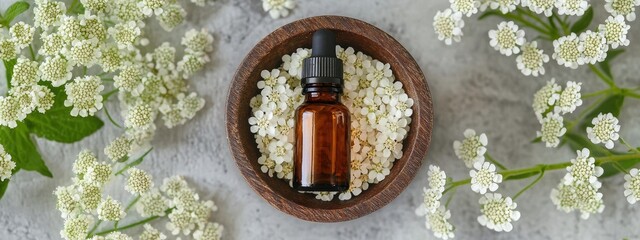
25	72
52	44
472	148
531	60
198	41
67	200
552	129
278	8
22	34
564	197
191	63
8	49
128	10
173	185
90	195
439	224
82	52
293	63
84	95
43	98
139	116
484	177
6	164
48	13
430	201
118	236
615	31
507	38
56	70
448	25
190	104
572	7
546	97
151	233
76	228
24	96
498	213
70	29
625	8
138	181
129	79
583	170
281	151
125	34
10	112
604	130
118	149
99	173
540	6
85	160
97	6
570	98
436	178
180	221
632	186
172	16
210	231
567	51
262	123
594	46
152	203
110	210
505	6
466	7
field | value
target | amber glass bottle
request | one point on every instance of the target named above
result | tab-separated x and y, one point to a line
322	122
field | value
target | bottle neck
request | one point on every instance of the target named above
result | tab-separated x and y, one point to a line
324	93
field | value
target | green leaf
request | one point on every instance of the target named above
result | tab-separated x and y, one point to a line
490	13
583	23
536	140
3	187
8	66
58	125
76	7
604	65
613	105
611	170
13	11
23	151
578	142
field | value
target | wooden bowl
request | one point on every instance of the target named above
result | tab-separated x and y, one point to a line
267	55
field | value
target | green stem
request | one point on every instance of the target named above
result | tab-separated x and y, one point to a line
72	6
94	228
143	221
603	76
33	53
631	148
133	202
506	174
495	162
521	20
446	205
597	93
530	184
106	112
620	167
534	17
630	93
106	96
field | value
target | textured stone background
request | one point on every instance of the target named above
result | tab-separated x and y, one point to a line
472	86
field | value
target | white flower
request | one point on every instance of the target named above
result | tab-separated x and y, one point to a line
198	41
92	26
186	199
192	62
594	46
472	148
532	59
552	129
172	16
84	95
118	149
570	98
438	222
293	63
138	116
151	233
52	43
173	185
180	220
278	8
70	28
138	182
262	123
567	51
498	213
431	200
484	177
190	104
125	34
387	88
127	10
605	130
507	38
505	6
632	186
118	236
67	200
25	72
10	112
615	31
436	178
110	210
546	97
466	7
56	70
583	170
43	98
48	13
97	6
90	195
85	160
325	196
564	197
625	8
572	7
82	52
152	203
281	151
99	173
6	164
150	7
129	79
210	231
76	228
448	25
540	6
8	49
22	34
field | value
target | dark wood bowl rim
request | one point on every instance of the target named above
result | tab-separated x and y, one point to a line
407	166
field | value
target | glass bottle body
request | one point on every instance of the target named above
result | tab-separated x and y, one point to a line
322	143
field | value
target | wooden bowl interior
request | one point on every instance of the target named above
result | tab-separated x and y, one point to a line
361	37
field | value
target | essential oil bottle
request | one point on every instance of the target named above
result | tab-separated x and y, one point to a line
322	122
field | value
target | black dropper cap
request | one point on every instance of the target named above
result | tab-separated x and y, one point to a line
323	66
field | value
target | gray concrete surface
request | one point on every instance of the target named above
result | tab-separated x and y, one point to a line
472	86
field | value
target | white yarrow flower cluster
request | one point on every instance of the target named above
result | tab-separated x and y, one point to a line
540	6
624	8
572	7
278	8
380	115
466	7
507	38
436	215
472	149
498	212
579	188
604	130
6	165
448	25
484	177
549	104
632	186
